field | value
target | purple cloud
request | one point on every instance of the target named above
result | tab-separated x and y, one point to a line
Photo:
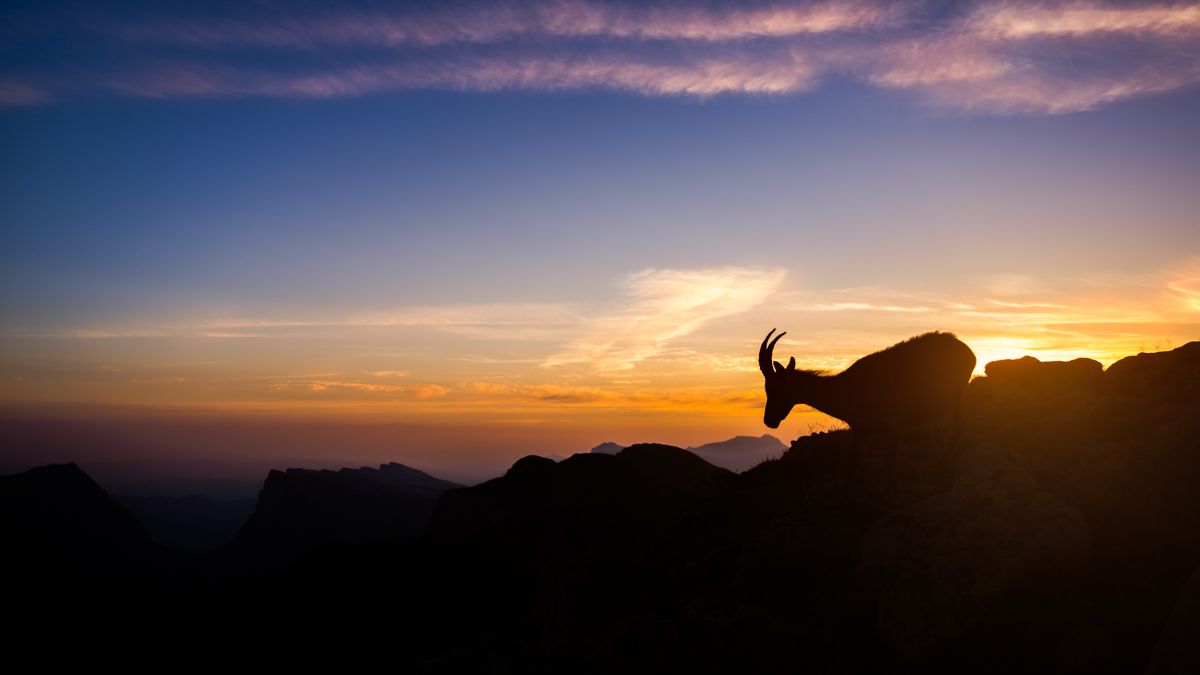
496	22
990	57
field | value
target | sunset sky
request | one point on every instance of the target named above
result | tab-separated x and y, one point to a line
248	234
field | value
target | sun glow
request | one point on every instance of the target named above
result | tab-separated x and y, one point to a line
1000	348
676	344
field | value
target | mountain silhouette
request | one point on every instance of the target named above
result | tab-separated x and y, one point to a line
608	448
736	454
1066	540
56	519
741	452
71	553
620	493
301	509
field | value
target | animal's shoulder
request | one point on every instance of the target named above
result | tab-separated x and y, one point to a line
932	340
932	337
926	345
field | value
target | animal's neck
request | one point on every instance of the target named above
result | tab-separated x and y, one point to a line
823	392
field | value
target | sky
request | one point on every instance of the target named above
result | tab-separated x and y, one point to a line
240	235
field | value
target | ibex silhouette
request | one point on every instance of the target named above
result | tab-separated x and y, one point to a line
912	384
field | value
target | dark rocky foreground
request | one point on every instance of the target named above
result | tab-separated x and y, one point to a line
1064	537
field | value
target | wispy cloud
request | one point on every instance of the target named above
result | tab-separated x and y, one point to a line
491	321
495	321
662	306
540	392
969	72
1023	57
493	22
389	373
988	56
1184	286
645	398
340	388
703	76
1026	19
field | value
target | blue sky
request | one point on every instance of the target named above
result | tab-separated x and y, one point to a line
126	206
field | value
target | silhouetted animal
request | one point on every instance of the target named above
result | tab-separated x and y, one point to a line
912	384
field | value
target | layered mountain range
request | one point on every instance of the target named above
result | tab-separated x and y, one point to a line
1064	538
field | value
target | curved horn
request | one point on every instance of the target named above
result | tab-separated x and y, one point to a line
765	352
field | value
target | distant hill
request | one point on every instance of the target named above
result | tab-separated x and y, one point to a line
608	448
301	509
741	452
736	454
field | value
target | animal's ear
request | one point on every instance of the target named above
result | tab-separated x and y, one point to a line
792	363
778	367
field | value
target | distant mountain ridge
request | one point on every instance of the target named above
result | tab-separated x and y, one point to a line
735	454
301	509
741	453
608	448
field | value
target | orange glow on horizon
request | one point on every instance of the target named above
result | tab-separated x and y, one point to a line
674	353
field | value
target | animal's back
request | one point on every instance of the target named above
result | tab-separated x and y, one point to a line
913	381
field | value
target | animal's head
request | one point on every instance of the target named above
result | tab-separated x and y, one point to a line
780	394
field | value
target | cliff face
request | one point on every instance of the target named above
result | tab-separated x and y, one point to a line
299	510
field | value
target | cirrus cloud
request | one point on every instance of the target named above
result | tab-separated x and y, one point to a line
776	74
986	56
487	23
659	307
1026	19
